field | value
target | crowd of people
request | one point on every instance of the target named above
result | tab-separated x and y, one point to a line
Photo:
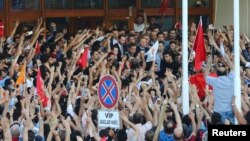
149	102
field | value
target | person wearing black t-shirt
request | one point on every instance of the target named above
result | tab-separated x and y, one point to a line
169	63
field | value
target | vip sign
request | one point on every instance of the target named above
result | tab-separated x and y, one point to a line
108	118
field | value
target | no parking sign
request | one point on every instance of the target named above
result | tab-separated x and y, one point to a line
108	91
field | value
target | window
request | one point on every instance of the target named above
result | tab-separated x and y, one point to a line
120	24
25	4
60	23
196	18
166	24
1	5
74	24
57	4
121	3
25	26
90	22
155	3
196	3
88	4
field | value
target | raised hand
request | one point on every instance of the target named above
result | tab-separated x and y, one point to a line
42	29
53	25
199	113
17	23
56	98
191	115
40	21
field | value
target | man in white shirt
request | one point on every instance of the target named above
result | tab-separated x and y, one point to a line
137	119
140	23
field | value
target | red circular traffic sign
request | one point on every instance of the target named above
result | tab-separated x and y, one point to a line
108	91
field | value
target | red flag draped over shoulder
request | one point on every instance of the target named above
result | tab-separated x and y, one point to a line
83	61
164	7
199	48
40	88
199	81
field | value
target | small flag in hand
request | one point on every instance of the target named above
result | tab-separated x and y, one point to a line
40	89
1	29
83	61
37	48
199	48
151	54
178	25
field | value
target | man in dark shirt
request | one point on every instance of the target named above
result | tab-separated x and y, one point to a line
131	51
153	24
142	46
169	63
120	46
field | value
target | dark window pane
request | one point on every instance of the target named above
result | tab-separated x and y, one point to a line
57	4
25	26
168	22
120	24
25	4
121	3
196	3
1	5
60	23
195	19
155	3
74	24
88	4
90	22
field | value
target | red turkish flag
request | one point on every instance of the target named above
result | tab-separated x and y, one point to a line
83	61
199	81
164	7
199	48
1	29
40	88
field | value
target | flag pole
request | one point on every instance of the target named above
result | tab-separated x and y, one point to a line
185	85
237	82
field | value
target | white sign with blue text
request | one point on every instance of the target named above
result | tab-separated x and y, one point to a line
108	118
